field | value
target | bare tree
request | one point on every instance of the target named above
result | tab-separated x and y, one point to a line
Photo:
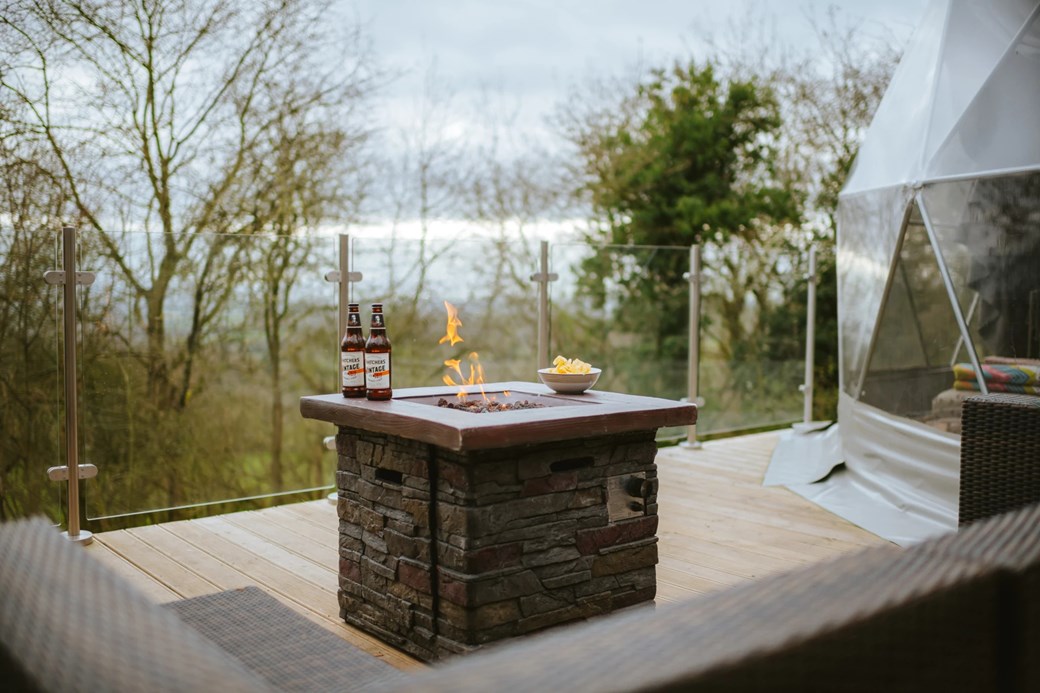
311	165
480	177
422	179
516	184
753	281
830	102
175	131
29	413
828	98
153	112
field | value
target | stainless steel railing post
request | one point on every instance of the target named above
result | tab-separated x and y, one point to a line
543	277
693	362
69	278
344	284
344	277
810	339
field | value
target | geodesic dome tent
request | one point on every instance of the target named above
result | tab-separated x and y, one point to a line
938	265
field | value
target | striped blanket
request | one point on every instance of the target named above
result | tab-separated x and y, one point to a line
1021	378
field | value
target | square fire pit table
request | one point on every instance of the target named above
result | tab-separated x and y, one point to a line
459	528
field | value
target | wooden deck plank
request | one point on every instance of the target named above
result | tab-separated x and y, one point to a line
678	573
157	565
320	514
162	538
317	521
317	547
326	578
719	527
151	587
306	585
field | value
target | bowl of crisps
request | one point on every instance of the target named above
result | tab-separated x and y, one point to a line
569	376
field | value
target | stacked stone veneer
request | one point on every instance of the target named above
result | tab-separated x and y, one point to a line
514	540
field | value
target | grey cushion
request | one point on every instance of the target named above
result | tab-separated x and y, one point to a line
67	623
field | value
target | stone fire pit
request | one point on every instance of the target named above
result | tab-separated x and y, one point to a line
458	529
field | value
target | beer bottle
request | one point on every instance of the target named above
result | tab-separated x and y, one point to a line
377	358
352	355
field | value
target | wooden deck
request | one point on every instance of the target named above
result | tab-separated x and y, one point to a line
719	526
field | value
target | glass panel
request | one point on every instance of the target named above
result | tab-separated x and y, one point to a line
624	309
989	234
910	371
751	365
868	227
31	404
487	280
190	379
749	393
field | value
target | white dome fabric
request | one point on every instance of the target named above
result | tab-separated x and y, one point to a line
1000	129
864	260
955	52
892	151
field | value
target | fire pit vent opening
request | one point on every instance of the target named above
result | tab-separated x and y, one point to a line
572	464
390	476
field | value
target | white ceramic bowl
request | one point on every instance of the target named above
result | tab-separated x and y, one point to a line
569	383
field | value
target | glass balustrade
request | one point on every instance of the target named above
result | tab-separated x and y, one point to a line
31	372
752	338
193	354
485	279
624	309
194	351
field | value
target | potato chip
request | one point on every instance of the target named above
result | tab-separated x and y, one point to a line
562	364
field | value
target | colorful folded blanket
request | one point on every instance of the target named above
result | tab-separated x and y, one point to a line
1011	361
971	385
1019	374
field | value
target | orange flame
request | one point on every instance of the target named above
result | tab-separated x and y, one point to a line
476	371
452	333
476	374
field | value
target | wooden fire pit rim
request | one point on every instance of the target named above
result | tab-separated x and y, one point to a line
466	431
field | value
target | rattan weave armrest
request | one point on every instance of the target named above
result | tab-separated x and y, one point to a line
1000	455
68	623
953	614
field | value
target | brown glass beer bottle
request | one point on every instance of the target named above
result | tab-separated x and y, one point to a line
352	355
377	358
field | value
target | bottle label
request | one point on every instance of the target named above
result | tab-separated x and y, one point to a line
377	320
377	371
353	363
353	319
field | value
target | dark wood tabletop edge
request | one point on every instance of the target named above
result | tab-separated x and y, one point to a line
458	430
327	408
506	434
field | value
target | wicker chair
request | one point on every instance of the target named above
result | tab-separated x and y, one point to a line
959	613
1000	455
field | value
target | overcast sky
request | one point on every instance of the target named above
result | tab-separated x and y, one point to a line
529	54
532	51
